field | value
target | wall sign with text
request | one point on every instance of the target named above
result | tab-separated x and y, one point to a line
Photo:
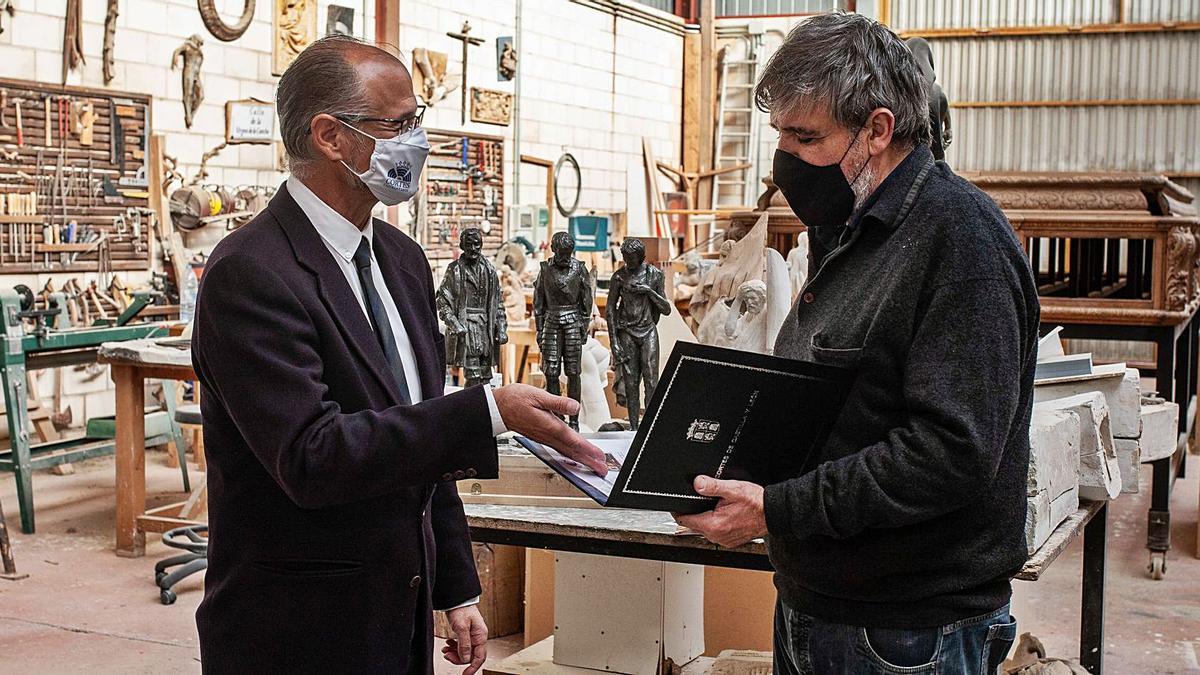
249	121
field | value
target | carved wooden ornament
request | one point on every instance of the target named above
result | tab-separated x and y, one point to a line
295	28
491	107
221	30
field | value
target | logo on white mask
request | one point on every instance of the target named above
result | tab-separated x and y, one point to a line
400	176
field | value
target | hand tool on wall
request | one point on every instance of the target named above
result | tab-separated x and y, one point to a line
116	134
4	109
20	126
49	121
83	120
64	111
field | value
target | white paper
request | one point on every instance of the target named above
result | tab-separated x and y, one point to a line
614	446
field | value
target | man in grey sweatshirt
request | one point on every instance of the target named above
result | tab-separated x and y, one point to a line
894	549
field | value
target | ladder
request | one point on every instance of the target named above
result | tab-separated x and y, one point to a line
738	125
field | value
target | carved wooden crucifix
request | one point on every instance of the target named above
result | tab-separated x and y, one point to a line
467	43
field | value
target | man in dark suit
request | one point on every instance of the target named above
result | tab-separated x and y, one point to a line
336	527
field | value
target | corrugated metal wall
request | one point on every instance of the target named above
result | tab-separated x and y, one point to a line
1104	67
1070	67
921	14
1161	139
775	7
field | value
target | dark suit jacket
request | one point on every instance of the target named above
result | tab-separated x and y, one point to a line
335	527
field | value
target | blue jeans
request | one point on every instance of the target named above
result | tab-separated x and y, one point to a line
808	646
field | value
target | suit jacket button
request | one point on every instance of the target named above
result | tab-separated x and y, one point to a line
416	581
460	474
471	473
808	298
447	476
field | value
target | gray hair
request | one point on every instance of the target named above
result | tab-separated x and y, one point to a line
854	65
319	80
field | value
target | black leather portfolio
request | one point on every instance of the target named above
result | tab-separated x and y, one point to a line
716	412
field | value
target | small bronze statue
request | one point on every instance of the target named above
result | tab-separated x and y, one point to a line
562	308
636	300
469	303
192	57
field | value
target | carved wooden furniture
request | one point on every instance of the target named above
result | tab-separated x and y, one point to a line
1116	258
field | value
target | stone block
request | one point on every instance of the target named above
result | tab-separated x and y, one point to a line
1054	440
1160	429
1053	483
1122	393
1099	473
1129	458
1042	515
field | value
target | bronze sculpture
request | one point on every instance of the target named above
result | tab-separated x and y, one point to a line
469	303
636	300
939	105
562	308
193	89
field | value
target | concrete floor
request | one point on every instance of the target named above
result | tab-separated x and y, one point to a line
84	609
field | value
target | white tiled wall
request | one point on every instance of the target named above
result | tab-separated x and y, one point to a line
593	85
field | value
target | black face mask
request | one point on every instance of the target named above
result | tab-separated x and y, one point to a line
820	196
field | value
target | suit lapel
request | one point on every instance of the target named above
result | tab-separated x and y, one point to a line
407	291
335	292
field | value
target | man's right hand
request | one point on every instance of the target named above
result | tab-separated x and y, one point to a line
537	415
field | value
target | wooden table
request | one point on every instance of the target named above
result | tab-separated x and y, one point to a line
650	535
132	364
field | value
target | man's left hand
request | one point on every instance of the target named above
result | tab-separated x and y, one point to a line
738	517
468	647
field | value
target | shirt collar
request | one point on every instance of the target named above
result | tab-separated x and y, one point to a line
884	204
339	234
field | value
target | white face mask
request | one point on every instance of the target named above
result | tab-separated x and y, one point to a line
394	174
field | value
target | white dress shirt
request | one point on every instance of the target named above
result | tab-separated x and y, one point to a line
342	238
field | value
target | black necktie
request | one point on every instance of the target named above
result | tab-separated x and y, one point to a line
379	319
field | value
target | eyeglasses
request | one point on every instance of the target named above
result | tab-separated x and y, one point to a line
394	125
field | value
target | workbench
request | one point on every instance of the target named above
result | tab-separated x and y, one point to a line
36	339
132	363
650	535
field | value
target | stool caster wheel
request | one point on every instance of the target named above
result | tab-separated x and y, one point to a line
1158	566
159	577
168	596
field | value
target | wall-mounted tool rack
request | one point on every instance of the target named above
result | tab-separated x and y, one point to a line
462	185
77	157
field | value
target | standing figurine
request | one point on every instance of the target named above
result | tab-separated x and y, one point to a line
192	57
562	307
635	301
469	302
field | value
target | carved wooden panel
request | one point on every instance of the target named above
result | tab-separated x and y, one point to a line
295	26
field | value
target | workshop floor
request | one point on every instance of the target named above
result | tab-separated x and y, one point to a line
84	609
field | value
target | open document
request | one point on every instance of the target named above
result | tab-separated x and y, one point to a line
716	412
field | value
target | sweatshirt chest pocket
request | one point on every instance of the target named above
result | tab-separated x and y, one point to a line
837	350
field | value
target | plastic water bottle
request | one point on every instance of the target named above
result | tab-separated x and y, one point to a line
187	297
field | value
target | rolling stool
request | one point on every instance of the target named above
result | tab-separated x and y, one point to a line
195	560
188	417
